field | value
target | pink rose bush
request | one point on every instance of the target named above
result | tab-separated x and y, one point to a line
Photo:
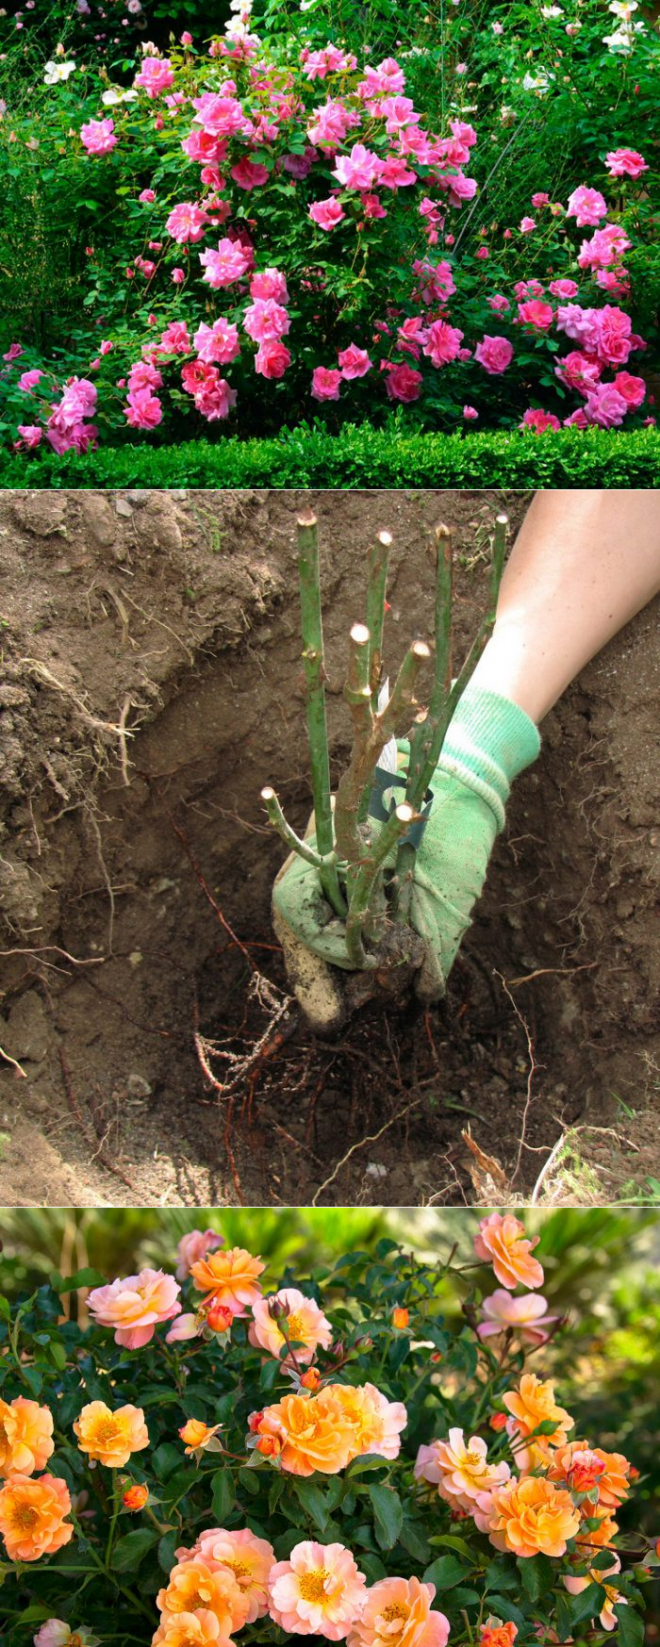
340	1459
309	223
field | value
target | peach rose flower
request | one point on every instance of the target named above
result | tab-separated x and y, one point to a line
397	1613
249	1559
598	1538
460	1469
378	1422
54	1633
313	1433
503	1243
111	1437
135	1305
317	1592
527	1316
185	1327
533	1403
529	1517
613	1597
613	1484
304	1321
26	1436
194	1246
230	1278
199	1629
200	1437
197	1584
32	1512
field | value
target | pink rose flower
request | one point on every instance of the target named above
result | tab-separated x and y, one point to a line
443	343
142	411
227	265
587	206
175	338
614	335
625	163
134	1306
156	76
186	222
578	371
265	320
326	383
217	344
539	200
470	413
31	434
269	283
494	354
13	352
29	380
498	303
272	358
632	388
221	116
528	1315
605	406
527	225
354	362
248	174
98	136
185	1328
563	288
178	276
358	170
147	197
327	213
404	383
536	314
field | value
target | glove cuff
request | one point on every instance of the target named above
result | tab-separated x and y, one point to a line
489	742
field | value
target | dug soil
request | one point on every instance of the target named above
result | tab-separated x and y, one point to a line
151	684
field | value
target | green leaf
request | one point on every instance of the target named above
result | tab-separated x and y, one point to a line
537	1574
165	1460
82	1278
388	1515
452	1542
249	1481
367	1461
167	1547
631	1626
586	1605
445	1572
414	1540
223	1495
34	1379
503	1608
130	1551
313	1502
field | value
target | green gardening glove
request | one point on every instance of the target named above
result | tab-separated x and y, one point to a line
489	742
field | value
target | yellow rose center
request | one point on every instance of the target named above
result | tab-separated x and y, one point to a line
295	1328
393	1613
312	1584
25	1517
106	1431
239	1569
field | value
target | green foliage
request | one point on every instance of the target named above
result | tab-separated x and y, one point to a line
364	456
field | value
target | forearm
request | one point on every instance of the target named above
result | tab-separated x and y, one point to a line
582	565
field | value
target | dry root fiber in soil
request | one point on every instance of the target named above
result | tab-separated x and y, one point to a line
151	681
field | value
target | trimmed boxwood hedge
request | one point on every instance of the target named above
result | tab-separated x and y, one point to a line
359	457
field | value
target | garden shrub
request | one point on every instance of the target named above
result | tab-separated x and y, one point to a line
356	457
345	234
234	1452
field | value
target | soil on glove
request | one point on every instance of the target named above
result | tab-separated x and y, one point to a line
150	686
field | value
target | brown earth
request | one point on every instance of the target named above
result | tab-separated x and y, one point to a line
150	686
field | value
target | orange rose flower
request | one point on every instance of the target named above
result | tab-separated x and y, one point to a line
32	1513
502	1242
135	1497
497	1635
400	1318
200	1437
199	1629
533	1403
313	1431
230	1278
377	1422
26	1436
111	1437
529	1517
199	1584
600	1537
614	1483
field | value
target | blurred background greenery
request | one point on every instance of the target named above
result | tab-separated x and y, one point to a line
602	1269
